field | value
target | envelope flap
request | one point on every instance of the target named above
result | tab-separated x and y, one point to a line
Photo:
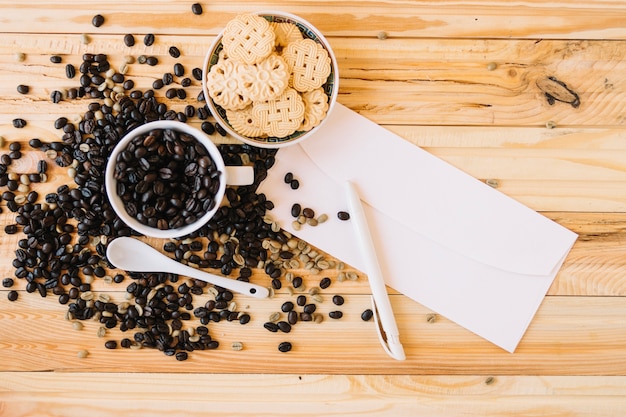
431	197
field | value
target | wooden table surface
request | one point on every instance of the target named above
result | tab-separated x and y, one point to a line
464	81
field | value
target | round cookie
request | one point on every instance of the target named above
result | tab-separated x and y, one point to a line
224	86
248	38
265	80
315	108
244	123
285	33
309	64
280	117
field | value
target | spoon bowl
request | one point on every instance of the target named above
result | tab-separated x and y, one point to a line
136	256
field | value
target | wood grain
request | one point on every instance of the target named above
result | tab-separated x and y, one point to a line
180	394
461	80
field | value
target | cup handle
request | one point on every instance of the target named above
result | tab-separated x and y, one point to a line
239	175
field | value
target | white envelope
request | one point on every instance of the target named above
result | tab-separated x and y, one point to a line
444	238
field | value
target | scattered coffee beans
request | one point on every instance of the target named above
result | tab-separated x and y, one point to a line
148	40
12	295
367	315
343	215
174	52
285	347
98	20
23	89
19	123
56	59
196	8
129	40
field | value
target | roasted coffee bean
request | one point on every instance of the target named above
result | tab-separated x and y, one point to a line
110	344
325	283
56	96
182	356
284	347
23	89
287	307
288	178
157	84
10	229
244	318
220	129
301	300
294	184
309	308
284	327
7	282
129	40
12	295
179	69
56	59
308	213
343	215
335	314
174	52
70	71
181	94
196	8
297	282
272	327
367	315
296	209
197	74
292	317
97	20
338	300
148	40
19	123
152	61
208	128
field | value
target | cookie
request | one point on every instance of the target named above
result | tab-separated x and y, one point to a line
265	80
224	86
248	38
280	117
315	108
244	123
285	34
309	64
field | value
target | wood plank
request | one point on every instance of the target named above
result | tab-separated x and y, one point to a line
569	336
180	394
475	19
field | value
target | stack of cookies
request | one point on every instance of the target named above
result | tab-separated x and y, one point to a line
269	78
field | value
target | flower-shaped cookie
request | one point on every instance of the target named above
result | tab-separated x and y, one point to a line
265	80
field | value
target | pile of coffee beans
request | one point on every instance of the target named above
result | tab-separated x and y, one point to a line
166	179
63	251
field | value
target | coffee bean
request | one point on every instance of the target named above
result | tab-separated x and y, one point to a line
301	300
7	282
185	82
284	327
196	8
129	40
55	59
272	327
343	215
296	210
110	344
367	315
157	84
310	308
308	213
97	20
294	184
148	40
174	52
12	295
70	71
297	282
182	356
197	74
338	300
335	315
284	347
288	178
19	123
56	96
152	61
23	89
179	69
10	229
220	129
168	78
325	283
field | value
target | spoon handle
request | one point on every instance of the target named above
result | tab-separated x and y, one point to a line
242	287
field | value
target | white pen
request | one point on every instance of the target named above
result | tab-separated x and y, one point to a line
389	335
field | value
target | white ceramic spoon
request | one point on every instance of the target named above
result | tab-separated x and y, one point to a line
133	255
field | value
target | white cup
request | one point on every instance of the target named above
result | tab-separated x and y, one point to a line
231	175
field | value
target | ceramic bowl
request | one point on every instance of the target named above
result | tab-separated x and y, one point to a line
117	203
331	87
